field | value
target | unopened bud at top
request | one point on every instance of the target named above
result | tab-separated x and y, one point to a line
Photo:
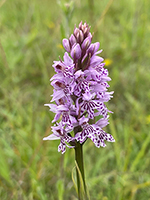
78	35
84	28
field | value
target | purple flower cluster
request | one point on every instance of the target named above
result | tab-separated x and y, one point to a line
80	90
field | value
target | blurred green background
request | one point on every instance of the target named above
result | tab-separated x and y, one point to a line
30	39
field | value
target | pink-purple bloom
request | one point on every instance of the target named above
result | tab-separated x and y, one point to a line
80	90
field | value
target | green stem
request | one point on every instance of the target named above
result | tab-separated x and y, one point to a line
82	194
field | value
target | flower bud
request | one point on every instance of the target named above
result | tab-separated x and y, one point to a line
66	45
80	25
80	37
93	48
72	40
76	30
86	29
86	43
76	52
